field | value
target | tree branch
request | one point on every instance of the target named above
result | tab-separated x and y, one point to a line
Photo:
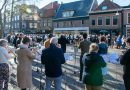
5	1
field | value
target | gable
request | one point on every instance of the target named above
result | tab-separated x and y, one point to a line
107	5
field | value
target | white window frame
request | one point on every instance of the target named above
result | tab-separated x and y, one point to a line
67	14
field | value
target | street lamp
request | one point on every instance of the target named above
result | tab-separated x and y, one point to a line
117	13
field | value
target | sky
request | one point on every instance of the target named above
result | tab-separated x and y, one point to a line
42	3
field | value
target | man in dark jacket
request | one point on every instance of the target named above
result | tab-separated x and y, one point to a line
53	57
125	61
63	41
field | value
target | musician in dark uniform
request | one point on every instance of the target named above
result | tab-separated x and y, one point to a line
125	61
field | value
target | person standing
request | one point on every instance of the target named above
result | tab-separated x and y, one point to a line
84	46
47	42
4	64
52	57
103	47
24	66
93	64
63	41
125	61
15	41
118	42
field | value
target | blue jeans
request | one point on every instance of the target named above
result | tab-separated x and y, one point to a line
57	83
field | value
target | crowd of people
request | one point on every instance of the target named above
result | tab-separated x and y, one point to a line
92	61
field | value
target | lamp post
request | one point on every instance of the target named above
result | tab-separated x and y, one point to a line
117	14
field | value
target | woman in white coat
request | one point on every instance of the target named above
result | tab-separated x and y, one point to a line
4	64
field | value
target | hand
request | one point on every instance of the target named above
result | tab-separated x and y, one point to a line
34	50
58	45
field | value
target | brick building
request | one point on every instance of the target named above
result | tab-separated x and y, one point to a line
126	20
47	14
22	20
106	19
73	17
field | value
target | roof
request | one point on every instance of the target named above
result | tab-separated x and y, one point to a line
80	8
49	13
110	4
50	9
126	6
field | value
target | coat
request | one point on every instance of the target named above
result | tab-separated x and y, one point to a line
93	63
63	41
125	61
84	46
53	57
24	67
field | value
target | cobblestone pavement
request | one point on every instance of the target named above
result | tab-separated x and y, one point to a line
112	81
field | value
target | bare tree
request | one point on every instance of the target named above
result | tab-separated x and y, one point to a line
12	9
3	3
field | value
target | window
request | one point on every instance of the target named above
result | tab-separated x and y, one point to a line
45	22
64	24
15	25
67	13
15	18
23	24
93	22
49	24
108	20
71	23
99	20
115	20
34	25
31	25
129	18
83	22
57	24
104	8
18	17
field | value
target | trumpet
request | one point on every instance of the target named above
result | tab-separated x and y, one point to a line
10	50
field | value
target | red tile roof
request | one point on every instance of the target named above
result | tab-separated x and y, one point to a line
51	5
49	10
49	13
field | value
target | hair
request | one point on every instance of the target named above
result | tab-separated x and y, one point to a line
25	40
85	35
54	40
103	39
93	47
50	35
128	40
3	42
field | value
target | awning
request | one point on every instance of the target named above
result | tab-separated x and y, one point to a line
72	29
